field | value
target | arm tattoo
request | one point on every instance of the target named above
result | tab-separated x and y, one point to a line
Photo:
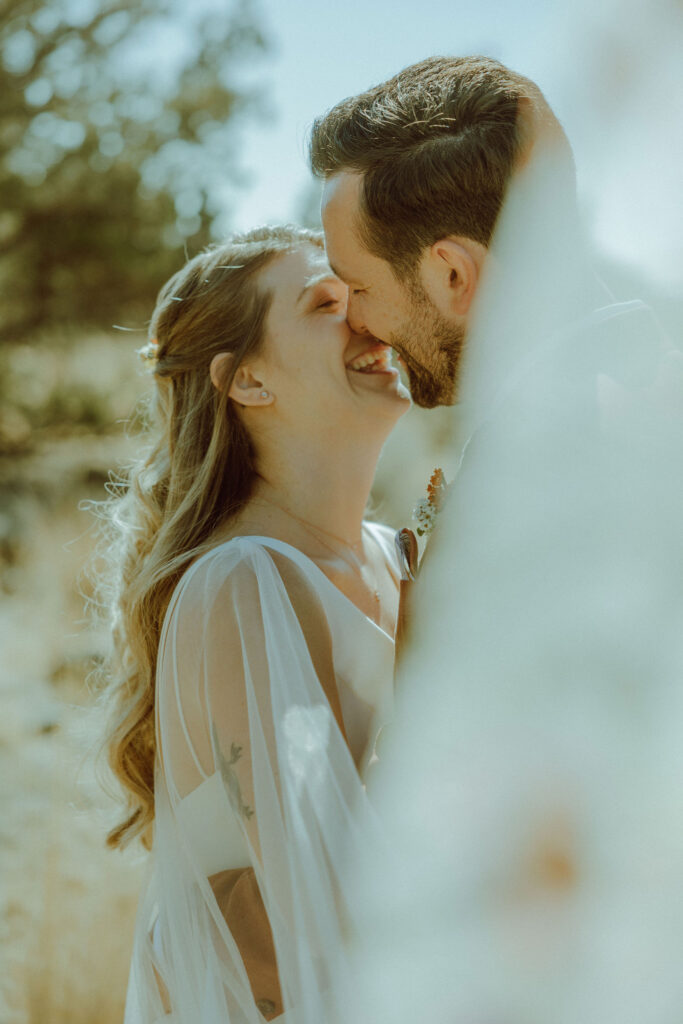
229	776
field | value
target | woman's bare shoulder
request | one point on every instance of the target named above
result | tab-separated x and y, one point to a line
247	567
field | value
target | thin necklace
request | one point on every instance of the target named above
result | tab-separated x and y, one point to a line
313	530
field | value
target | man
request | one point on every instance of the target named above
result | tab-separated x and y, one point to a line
415	173
538	677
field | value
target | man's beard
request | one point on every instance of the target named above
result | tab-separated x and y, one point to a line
431	347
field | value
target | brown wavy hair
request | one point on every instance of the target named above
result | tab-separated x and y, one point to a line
196	472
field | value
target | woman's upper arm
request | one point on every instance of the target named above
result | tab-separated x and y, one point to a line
247	698
249	640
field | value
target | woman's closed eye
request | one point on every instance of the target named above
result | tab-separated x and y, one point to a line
329	302
329	297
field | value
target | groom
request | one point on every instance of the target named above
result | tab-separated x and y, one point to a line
415	175
415	172
543	660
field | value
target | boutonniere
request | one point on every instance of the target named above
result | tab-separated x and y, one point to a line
427	510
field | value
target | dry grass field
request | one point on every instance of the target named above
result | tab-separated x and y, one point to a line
67	904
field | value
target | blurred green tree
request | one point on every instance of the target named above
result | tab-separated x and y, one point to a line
117	144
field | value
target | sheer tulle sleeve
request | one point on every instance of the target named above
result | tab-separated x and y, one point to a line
259	804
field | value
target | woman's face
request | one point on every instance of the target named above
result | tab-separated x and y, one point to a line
318	372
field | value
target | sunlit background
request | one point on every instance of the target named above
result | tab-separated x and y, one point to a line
133	133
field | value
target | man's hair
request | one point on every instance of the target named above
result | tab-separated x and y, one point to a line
436	146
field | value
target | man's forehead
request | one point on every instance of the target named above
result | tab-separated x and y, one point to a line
339	207
341	192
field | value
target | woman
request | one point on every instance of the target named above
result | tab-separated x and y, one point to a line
253	624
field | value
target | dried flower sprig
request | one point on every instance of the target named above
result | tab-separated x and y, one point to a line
149	354
427	510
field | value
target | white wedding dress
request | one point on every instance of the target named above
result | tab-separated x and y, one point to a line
253	770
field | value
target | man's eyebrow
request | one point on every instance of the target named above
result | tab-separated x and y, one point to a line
313	281
349	280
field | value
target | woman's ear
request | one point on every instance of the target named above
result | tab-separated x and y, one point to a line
248	389
245	389
220	368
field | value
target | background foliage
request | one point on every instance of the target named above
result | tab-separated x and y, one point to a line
118	129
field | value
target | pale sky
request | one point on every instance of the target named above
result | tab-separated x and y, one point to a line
590	60
324	51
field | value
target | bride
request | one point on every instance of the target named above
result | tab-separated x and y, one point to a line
253	610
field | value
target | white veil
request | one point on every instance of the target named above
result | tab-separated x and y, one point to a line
536	870
253	778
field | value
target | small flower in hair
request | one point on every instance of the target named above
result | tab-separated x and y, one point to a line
426	511
149	354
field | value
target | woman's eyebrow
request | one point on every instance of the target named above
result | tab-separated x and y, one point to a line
318	279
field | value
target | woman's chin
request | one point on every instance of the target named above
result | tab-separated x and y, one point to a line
379	383
383	395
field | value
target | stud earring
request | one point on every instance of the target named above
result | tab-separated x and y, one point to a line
264	394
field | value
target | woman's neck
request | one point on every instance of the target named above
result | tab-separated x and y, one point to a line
326	487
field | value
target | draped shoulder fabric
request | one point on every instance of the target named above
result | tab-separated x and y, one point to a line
271	687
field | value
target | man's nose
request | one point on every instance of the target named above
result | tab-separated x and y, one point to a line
353	318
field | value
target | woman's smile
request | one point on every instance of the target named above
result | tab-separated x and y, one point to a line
374	358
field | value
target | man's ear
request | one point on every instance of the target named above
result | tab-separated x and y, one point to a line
452	270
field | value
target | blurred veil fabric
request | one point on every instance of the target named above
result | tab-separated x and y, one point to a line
271	686
536	831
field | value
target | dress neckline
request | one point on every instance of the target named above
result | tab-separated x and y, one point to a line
299	555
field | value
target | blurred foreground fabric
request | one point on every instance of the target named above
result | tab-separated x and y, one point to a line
531	780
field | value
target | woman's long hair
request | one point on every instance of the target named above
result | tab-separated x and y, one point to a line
196	472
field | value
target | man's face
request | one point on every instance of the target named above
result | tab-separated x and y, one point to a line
399	313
